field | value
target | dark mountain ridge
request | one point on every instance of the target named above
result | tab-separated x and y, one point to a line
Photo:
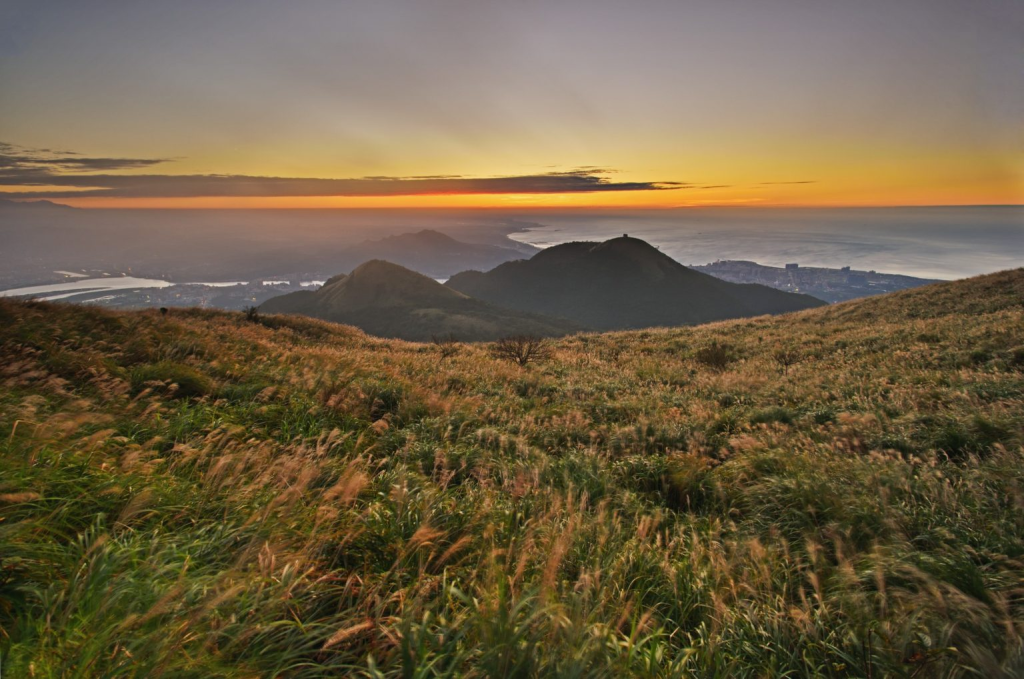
6	203
619	284
388	300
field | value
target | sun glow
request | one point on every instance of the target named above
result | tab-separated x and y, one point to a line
783	197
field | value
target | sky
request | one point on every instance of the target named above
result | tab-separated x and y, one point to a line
518	103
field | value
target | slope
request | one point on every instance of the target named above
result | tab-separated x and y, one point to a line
202	495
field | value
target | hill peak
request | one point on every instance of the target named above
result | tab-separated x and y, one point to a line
423	236
626	239
627	243
635	249
382	283
621	283
381	267
624	248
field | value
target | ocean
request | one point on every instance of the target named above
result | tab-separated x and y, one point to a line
928	242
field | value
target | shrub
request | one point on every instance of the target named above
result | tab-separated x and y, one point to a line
447	345
521	349
786	358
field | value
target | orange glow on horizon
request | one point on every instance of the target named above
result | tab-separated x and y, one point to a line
751	181
582	201
618	199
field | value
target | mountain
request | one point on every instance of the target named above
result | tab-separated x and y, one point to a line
429	252
619	284
6	203
389	300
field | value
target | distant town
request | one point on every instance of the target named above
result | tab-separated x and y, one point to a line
236	296
830	285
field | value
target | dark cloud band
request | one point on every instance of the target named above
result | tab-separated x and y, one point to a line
16	160
65	175
805	181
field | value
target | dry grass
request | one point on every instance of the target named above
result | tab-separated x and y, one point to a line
199	495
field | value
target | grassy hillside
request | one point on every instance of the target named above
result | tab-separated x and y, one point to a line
837	493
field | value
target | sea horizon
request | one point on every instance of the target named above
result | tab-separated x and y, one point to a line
944	243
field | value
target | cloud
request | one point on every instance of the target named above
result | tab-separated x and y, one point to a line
64	175
16	160
806	181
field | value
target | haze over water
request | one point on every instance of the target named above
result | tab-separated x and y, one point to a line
929	242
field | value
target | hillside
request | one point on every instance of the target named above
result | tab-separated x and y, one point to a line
837	493
620	284
388	300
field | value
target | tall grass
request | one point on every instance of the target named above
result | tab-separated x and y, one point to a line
197	495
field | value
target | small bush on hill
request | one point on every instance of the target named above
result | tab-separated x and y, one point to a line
447	346
786	358
521	349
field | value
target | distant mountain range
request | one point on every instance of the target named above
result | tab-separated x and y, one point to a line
388	300
38	237
619	284
32	204
429	252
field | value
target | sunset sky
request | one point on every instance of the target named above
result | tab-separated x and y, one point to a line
241	103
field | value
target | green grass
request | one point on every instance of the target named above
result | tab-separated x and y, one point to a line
198	495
